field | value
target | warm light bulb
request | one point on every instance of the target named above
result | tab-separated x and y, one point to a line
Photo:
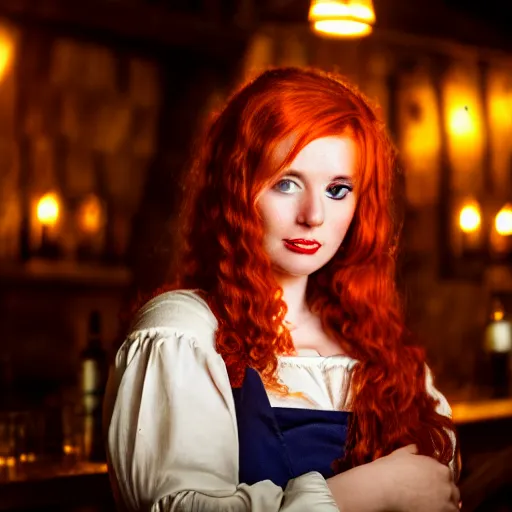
343	28
470	218
6	53
342	18
90	214
498	315
48	209
68	449
503	221
461	122
336	9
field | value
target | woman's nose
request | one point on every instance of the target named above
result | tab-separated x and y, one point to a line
311	210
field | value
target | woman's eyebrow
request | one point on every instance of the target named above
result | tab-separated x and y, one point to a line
300	175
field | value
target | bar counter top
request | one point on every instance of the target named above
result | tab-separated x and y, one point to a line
61	485
472	411
55	486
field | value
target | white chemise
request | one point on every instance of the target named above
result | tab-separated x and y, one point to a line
170	422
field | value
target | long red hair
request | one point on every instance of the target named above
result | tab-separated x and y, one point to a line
355	293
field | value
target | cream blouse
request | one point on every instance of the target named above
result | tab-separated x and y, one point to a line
170	423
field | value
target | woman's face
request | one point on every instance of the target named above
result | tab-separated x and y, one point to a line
307	211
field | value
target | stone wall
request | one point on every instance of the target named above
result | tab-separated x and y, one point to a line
78	118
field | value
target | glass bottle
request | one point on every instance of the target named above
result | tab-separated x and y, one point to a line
498	346
93	366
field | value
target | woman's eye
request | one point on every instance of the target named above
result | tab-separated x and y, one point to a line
339	191
286	186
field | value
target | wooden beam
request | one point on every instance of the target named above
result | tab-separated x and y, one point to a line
136	23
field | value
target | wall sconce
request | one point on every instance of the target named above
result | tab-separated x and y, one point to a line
342	18
470	224
461	123
90	215
48	210
482	236
48	213
91	221
475	241
503	221
501	234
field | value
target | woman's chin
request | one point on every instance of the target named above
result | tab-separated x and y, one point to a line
297	270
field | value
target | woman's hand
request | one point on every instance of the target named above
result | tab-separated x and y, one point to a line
400	482
417	483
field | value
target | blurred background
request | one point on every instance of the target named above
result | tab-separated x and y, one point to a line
100	104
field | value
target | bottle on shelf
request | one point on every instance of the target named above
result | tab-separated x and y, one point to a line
498	346
93	376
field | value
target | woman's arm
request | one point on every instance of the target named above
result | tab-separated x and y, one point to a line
353	492
402	481
399	482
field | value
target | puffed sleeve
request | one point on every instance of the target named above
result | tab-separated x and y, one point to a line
443	407
172	440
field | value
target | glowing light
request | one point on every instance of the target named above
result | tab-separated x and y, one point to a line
498	315
342	18
6	53
503	221
461	121
48	210
342	28
470	218
498	334
91	215
69	449
321	9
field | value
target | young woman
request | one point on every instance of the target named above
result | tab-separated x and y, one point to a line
278	373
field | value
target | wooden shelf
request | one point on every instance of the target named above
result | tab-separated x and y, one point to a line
47	470
85	486
65	272
481	410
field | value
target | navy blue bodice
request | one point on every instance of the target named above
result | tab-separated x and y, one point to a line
278	443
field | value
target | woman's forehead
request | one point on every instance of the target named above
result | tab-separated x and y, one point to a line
329	151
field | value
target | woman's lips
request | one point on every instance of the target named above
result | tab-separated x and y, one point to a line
302	246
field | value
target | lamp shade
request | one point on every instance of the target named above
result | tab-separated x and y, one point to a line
342	18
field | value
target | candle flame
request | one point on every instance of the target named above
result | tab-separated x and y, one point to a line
470	218
48	209
91	215
503	221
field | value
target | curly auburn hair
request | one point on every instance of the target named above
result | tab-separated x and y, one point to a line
355	294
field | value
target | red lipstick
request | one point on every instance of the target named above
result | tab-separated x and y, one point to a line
302	246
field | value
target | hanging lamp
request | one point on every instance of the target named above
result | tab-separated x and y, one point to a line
342	18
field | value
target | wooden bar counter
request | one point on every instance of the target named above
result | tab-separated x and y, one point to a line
484	428
57	487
